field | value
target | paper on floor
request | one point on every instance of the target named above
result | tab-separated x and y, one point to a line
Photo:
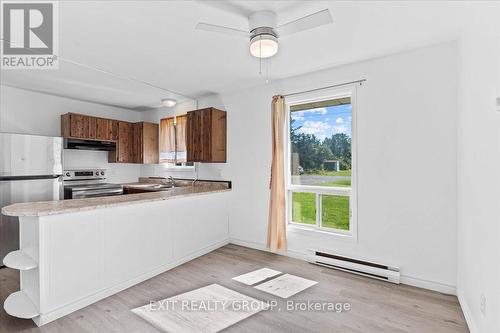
256	276
286	285
209	309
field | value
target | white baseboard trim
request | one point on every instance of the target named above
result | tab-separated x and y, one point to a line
467	313
430	285
415	282
262	247
69	308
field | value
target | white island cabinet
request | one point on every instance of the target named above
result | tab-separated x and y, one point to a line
74	257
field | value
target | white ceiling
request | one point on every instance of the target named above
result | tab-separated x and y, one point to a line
155	42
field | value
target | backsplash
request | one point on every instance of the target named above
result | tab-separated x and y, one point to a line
117	173
205	171
125	173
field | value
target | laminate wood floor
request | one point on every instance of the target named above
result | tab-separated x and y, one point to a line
375	306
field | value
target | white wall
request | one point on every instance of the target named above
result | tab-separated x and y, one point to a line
407	154
28	112
479	170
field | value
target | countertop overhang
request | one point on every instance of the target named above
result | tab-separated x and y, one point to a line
45	208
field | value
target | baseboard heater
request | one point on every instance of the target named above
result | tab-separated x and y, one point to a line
360	267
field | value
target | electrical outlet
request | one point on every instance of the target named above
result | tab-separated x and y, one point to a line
498	104
482	304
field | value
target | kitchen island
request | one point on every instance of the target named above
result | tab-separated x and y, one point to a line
76	252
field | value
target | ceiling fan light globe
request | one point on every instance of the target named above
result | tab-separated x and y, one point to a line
168	102
263	46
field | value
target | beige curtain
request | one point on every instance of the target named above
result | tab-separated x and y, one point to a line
276	230
167	140
180	129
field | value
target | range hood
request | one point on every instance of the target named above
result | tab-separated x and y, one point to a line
89	144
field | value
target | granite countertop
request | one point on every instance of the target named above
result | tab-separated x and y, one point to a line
44	208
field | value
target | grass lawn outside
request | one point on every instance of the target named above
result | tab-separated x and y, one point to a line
335	210
328	173
337	183
304	207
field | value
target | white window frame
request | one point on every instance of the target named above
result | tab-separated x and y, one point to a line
317	96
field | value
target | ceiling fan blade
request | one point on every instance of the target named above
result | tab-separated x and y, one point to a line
221	29
305	23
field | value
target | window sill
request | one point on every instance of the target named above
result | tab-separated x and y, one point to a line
311	231
179	168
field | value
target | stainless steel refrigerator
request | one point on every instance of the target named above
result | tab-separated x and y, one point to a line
30	170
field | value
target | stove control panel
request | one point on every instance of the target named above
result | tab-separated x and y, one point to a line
84	174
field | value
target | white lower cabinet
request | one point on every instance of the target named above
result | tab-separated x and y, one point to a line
82	257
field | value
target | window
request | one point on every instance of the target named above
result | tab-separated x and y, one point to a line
321	161
173	141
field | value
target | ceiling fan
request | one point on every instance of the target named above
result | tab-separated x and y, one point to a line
264	33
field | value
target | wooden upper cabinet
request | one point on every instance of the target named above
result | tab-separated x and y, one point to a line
75	126
146	148
150	143
92	127
79	126
114	130
137	151
104	129
124	147
137	143
206	136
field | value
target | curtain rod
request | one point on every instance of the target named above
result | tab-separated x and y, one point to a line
332	86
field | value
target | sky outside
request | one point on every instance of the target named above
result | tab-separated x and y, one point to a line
324	122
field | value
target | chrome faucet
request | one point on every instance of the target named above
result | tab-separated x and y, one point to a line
172	181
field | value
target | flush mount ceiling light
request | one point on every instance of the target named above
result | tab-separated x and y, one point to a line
168	102
264	32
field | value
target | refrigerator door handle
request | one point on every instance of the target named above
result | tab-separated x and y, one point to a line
35	177
61	188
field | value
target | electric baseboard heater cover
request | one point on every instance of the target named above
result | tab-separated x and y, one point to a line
355	266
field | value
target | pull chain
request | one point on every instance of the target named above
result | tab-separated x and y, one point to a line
267	69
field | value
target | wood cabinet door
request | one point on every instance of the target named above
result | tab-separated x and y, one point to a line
205	143
218	136
196	136
104	129
82	127
79	126
88	127
92	125
125	142
150	143
136	144
190	132
206	136
114	130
